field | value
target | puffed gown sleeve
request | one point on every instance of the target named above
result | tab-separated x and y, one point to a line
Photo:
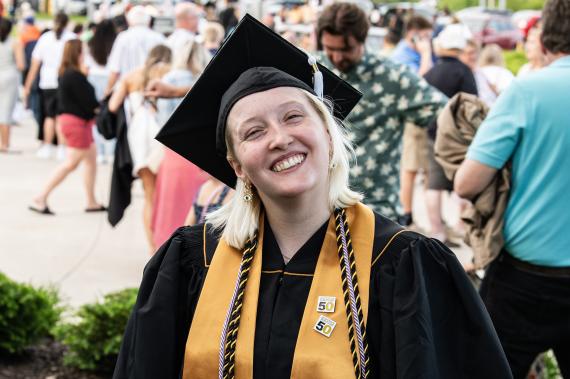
425	318
156	333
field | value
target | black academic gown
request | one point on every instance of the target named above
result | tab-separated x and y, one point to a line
114	125
425	319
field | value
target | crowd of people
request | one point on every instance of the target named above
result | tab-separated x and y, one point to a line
437	108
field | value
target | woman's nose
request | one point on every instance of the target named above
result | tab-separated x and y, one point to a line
280	138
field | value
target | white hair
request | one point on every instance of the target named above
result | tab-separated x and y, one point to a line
240	219
138	16
183	9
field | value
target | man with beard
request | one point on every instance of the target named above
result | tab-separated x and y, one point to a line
393	96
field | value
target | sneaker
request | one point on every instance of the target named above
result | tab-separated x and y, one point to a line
61	153
45	151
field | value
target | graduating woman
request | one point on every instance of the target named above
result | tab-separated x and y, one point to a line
294	277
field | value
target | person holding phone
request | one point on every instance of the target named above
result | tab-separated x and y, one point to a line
414	50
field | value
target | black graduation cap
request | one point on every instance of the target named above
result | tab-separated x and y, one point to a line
252	59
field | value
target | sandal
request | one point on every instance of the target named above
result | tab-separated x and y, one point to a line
43	211
100	208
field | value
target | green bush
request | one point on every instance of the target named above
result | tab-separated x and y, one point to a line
93	342
26	314
552	370
514	5
514	60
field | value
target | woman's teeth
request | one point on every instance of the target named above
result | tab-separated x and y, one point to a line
288	163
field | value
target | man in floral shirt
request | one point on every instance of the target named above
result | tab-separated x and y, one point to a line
393	95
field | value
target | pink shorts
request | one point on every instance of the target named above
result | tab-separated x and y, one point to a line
77	131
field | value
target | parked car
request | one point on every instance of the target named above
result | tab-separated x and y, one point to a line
491	26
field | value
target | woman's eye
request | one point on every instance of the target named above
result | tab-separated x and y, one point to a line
252	134
293	117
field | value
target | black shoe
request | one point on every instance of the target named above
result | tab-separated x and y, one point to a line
405	219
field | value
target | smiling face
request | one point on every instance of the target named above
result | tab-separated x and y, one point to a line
280	144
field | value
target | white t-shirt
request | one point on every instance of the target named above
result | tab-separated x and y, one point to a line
526	69
49	51
491	81
131	48
178	39
94	67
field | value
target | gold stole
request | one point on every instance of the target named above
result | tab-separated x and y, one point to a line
316	356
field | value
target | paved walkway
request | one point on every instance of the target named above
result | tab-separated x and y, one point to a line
79	253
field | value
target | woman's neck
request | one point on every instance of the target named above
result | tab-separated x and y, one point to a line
294	222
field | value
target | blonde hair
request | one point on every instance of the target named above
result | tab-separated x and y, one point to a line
491	55
192	56
239	219
213	33
157	56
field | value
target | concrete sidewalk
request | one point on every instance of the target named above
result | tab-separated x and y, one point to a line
78	252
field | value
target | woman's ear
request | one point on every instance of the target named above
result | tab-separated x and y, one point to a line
331	146
238	170
542	48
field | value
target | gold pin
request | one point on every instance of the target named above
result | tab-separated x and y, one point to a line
325	326
326	304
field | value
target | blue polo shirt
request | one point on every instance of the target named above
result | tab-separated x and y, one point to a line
530	125
404	54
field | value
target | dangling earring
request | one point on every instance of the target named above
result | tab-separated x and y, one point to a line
247	193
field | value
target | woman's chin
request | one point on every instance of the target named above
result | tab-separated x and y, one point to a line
293	190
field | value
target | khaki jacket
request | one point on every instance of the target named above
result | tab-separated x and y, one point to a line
457	125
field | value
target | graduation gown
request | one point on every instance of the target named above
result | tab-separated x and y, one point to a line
114	125
424	320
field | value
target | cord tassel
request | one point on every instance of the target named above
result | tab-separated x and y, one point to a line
318	81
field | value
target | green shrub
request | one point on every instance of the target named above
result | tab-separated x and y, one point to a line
26	314
94	341
552	370
514	60
514	5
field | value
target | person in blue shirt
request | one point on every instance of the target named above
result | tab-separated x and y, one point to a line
414	50
527	289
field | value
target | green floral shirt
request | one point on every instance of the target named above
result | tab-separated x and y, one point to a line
393	95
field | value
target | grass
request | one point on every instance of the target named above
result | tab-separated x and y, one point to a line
73	18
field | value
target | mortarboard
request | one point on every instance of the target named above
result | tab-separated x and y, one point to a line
252	59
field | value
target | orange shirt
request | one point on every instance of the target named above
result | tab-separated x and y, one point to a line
29	33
